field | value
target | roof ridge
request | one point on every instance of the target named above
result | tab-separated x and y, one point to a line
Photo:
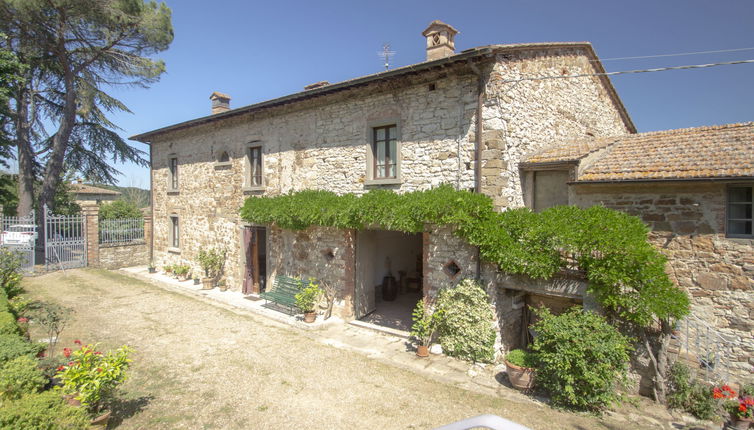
691	129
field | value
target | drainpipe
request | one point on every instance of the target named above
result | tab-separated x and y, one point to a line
479	129
478	149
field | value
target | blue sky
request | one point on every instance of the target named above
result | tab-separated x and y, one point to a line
256	51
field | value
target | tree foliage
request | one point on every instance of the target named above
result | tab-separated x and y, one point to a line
119	209
76	51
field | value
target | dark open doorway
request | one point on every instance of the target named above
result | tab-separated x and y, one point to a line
255	250
389	277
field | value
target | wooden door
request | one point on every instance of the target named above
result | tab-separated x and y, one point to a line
255	276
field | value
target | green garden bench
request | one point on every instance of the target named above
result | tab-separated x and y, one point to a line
283	292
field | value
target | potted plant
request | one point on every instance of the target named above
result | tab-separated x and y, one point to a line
519	365
740	408
424	326
181	271
307	299
196	280
168	268
222	285
151	268
212	262
91	378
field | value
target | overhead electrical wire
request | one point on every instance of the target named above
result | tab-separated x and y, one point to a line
680	54
624	72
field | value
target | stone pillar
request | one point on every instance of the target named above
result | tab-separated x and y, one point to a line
91	220
148	231
349	280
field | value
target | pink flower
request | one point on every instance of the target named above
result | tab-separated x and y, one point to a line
61	367
67	352
77	342
97	353
23	320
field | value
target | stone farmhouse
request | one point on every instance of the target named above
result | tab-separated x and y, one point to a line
510	121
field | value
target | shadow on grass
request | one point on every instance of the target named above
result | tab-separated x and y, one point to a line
126	408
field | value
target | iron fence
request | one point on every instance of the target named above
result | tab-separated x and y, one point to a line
19	235
708	348
123	230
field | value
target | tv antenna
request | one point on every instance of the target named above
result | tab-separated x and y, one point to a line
385	54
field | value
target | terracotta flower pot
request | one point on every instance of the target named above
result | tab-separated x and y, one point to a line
422	351
208	283
741	423
521	378
310	317
102	420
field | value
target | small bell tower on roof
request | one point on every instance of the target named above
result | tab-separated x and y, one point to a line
440	40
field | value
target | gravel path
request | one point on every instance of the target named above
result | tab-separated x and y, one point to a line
199	366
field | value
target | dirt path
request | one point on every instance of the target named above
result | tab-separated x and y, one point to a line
202	367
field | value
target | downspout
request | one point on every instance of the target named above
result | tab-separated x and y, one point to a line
479	129
151	202
478	149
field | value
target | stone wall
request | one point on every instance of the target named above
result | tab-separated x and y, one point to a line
325	254
688	226
521	116
117	255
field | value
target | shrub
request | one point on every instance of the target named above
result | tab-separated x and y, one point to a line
465	322
425	322
8	323
690	395
42	411
20	376
12	346
579	358
521	358
10	273
93	376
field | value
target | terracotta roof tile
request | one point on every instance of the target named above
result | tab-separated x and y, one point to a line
89	189
690	153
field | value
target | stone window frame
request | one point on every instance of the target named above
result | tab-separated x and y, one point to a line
174	177
528	173
727	210
174	226
219	162
247	185
370	158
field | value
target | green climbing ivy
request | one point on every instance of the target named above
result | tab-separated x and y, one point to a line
625	272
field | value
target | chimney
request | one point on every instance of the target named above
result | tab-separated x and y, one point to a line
439	40
220	102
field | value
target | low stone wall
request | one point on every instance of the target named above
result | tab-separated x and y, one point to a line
118	255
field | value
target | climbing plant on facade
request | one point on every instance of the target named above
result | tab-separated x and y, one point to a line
626	274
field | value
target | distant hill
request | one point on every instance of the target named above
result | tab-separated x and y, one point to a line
140	196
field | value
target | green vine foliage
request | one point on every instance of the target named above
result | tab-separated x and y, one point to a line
625	272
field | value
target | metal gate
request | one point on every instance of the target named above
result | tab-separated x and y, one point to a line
64	241
19	235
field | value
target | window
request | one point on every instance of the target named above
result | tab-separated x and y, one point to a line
224	157
173	166
174	237
384	152
739	214
254	165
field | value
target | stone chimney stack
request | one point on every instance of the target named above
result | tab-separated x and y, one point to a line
440	42
220	102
